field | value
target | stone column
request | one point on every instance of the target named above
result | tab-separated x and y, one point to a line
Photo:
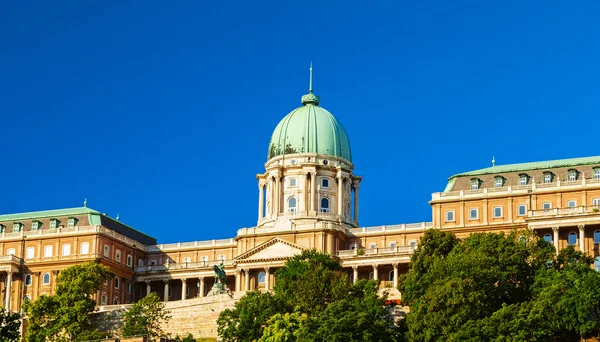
237	280
375	273
313	191
246	280
166	294
201	287
340	196
581	237
356	187
148	288
267	279
555	238
261	200
8	291
183	288
278	195
395	275
354	274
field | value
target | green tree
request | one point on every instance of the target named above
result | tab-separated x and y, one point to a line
311	280
65	316
144	318
284	327
9	326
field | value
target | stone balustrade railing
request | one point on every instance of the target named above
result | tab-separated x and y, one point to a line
376	251
590	209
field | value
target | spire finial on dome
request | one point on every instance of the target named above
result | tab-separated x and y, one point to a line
310	98
310	79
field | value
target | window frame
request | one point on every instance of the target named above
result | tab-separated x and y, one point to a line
548	177
68	246
524	206
569	202
35	225
294	208
11	251
17	227
597	173
475	183
117	255
548	235
106	251
569	239
117	282
28	277
53	223
474	210
325	208
71	222
81	249
572	175
325	183
373	245
27	254
495	214
46	253
129	260
293	182
498	182
523	179
452	214
44	282
261	275
544	205
598	235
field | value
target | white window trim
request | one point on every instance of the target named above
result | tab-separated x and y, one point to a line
84	251
550	205
28	255
572	175
49	278
498	182
373	245
107	251
129	260
30	280
67	246
571	206
46	253
476	210
494	212
10	251
569	239
118	255
547	178
519	209
117	282
597	173
453	216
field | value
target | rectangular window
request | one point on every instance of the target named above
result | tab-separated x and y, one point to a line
522	180
572	238
16	227
71	222
597	236
522	210
129	260
497	211
597	173
106	251
30	253
152	262
47	251
596	202
66	250
293	182
118	255
499	182
474	184
546	205
85	248
450	215
52	224
325	183
473	214
129	287
35	225
572	176
547	178
571	203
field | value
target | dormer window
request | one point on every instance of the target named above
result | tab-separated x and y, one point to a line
523	179
548	177
475	183
498	181
72	222
17	227
572	176
35	225
53	223
597	172
2	228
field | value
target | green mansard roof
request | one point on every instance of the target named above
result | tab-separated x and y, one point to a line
522	167
47	213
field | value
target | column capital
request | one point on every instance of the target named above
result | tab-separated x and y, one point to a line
375	266
395	264
581	226
355	267
184	279
238	271
267	268
201	278
166	281
555	229
147	282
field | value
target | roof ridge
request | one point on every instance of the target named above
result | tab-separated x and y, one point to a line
48	213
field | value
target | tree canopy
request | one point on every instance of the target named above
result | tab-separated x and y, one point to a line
65	316
9	326
311	301
499	287
144	318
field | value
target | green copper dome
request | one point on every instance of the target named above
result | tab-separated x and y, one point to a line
310	129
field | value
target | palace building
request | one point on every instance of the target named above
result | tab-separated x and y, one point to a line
308	197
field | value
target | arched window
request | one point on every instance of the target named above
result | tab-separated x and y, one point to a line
412	244
324	205
85	248
292	205
393	244
130	260
597	236
548	238
371	276
140	262
66	249
104	299
572	238
261	277
118	255
106	251
28	280
117	283
115	301
391	275
47	251
46	279
597	264
353	246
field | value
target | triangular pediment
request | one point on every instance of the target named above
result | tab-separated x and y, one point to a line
272	249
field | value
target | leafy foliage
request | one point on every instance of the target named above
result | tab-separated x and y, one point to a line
497	287
65	315
9	326
144	318
312	301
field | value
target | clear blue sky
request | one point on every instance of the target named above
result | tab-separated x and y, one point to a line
162	111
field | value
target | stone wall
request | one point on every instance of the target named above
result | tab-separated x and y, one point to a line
197	316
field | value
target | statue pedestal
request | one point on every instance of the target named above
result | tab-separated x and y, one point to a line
218	289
